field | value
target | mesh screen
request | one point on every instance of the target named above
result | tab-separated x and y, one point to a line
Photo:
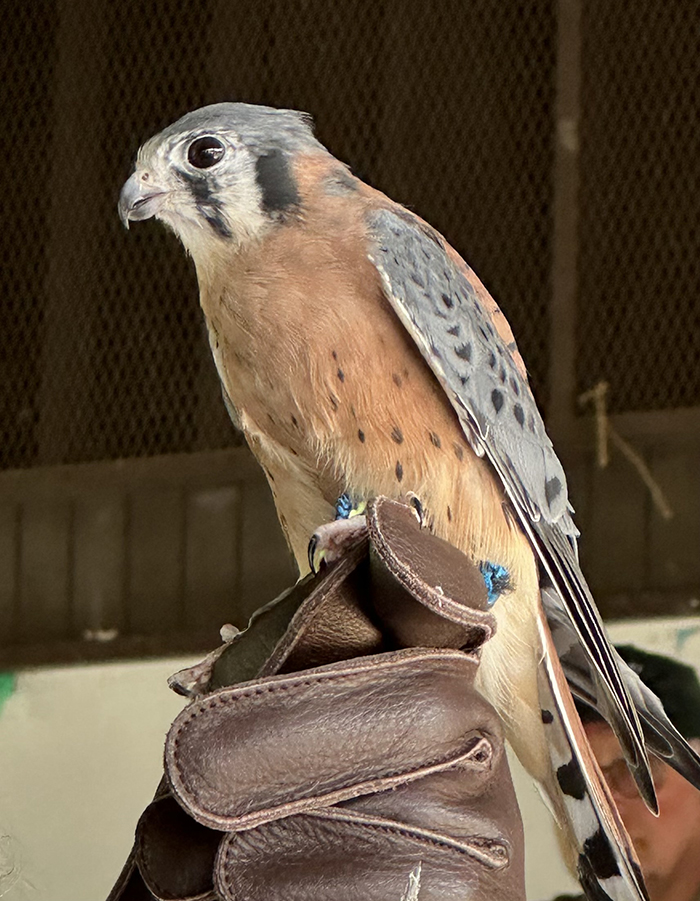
639	317
448	107
24	235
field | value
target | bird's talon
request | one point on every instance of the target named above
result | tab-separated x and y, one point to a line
316	553
332	540
415	504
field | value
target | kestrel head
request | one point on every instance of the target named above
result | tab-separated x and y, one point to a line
222	173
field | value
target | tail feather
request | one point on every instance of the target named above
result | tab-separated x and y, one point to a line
604	857
559	562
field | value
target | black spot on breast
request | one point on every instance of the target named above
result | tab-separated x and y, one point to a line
399	471
492	360
552	489
547	717
397	435
459	451
341	375
449	515
294	421
503	375
448	301
497	400
519	414
515	386
571	781
274	177
453	330
334	354
361	436
435	352
531	424
397	379
417	278
334	400
435	439
463	379
464	352
600	855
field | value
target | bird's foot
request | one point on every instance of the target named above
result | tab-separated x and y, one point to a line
346	507
496	579
330	541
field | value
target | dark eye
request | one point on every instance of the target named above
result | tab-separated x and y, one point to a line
205	152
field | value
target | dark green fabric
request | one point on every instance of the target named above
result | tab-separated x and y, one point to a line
675	684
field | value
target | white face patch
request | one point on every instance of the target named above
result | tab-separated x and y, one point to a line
206	206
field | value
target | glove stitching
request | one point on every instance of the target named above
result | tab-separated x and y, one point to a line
469	846
216	701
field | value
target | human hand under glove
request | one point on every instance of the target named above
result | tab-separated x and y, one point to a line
337	749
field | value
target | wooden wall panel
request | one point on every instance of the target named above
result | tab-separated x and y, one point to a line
166	550
98	573
212	555
8	571
615	541
45	577
674	551
266	563
156	559
152	549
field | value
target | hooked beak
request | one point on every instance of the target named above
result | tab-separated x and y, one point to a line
139	198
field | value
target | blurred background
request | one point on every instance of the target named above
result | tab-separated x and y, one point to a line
554	143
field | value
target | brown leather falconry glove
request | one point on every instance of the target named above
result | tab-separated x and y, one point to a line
340	750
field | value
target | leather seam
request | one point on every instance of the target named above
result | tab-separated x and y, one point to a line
424	837
215	701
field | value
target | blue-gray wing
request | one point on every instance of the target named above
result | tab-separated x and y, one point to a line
435	295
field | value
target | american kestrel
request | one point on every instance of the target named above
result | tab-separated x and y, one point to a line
361	356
